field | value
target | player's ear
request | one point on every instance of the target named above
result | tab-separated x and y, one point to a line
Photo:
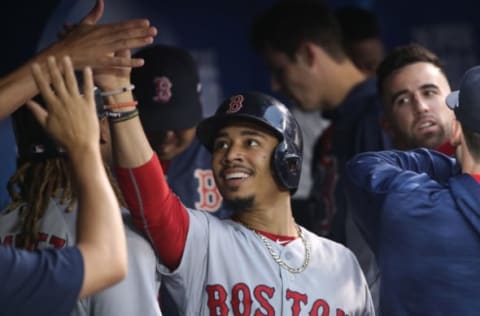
306	54
456	136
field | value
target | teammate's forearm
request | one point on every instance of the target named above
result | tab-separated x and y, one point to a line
18	86
100	235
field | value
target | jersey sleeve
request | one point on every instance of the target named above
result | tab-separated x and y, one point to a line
156	210
371	176
46	282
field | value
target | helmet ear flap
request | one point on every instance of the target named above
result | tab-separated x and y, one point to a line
288	165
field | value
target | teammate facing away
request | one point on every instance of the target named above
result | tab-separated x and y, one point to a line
260	261
44	210
49	282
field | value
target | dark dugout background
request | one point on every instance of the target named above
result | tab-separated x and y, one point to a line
216	33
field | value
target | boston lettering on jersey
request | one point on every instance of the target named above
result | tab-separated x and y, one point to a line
243	297
49	239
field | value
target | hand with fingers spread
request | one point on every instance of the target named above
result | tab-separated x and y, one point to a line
92	44
69	117
87	44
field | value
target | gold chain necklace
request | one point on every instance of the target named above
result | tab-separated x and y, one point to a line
277	258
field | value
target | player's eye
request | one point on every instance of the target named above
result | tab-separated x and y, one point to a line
252	142
402	100
219	144
430	92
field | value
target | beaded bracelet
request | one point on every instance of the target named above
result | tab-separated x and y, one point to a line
117	91
115	117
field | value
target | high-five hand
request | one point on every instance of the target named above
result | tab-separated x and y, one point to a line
70	117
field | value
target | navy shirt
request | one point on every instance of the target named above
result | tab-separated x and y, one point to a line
355	128
8	154
45	282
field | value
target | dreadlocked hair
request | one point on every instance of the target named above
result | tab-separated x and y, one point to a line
34	184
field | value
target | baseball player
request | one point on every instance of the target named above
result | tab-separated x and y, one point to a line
168	91
419	210
43	214
413	86
260	261
49	282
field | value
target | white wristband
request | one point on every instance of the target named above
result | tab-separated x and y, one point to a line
117	91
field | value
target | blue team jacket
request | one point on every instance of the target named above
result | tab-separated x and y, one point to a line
422	219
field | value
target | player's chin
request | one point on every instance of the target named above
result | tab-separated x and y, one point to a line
232	193
239	204
433	140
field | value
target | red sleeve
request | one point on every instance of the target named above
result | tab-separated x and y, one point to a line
156	210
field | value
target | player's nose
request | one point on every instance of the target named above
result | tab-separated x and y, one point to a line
421	105
233	153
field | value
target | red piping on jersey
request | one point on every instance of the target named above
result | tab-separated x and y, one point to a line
156	210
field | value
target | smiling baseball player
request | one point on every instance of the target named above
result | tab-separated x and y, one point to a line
235	267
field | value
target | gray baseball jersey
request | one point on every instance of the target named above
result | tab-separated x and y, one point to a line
137	294
226	269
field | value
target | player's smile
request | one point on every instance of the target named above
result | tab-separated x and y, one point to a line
425	124
233	177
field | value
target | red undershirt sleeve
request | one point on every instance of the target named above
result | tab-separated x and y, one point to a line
156	210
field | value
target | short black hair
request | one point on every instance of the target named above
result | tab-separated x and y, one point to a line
473	142
357	24
288	23
403	56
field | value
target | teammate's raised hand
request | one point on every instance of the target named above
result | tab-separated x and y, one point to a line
69	116
87	44
91	18
95	14
90	44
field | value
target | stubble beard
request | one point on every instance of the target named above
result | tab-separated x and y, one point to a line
240	204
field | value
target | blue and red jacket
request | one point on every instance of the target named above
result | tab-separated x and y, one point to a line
422	218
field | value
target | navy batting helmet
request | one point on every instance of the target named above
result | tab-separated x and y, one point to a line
268	112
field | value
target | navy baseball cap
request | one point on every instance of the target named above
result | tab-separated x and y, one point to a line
167	89
465	102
